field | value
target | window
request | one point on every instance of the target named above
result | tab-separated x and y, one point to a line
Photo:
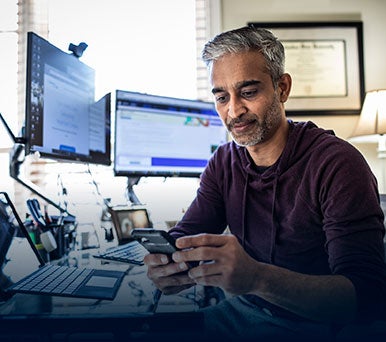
147	46
8	68
8	85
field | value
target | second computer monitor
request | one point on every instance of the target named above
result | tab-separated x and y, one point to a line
164	136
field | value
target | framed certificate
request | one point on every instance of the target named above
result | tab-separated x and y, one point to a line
325	61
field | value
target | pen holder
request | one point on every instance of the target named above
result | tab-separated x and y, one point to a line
64	237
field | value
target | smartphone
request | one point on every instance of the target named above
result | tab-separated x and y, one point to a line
154	240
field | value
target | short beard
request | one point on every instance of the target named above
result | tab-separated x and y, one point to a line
265	127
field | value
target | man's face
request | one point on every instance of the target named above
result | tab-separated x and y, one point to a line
245	98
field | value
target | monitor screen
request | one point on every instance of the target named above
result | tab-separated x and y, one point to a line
164	136
63	121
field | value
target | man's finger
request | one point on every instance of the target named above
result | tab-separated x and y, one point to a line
214	240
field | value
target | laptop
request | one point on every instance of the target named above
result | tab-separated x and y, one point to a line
131	253
125	219
23	270
129	250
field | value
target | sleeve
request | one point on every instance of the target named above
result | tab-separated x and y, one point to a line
354	228
206	214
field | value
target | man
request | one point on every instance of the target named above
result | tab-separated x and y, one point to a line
305	253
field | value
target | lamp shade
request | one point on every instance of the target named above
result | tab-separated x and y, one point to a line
373	115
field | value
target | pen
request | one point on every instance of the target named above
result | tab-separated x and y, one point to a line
156	297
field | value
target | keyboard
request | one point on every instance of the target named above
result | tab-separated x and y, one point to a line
132	252
54	280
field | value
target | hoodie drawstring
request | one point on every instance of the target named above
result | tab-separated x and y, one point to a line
244	206
274	222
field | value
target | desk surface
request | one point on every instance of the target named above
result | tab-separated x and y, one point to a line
131	310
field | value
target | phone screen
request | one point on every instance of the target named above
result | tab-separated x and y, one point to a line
155	241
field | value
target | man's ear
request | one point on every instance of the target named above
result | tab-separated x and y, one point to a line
284	87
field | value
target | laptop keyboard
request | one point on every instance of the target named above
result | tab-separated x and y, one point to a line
132	252
54	279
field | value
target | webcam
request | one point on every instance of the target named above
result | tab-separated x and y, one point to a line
77	50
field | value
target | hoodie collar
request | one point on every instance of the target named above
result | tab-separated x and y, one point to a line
294	149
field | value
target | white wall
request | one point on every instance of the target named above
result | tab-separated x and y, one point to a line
371	12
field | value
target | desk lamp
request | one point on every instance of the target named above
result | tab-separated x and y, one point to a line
371	126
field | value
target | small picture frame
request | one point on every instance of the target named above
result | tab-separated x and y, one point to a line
125	219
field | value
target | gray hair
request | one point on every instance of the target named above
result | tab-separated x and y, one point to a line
248	38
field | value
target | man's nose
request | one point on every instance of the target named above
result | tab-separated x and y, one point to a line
236	108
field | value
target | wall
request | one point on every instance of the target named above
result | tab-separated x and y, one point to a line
371	12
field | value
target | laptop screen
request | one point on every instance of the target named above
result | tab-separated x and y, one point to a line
125	219
17	258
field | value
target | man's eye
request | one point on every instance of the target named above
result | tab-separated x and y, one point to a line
220	98
249	93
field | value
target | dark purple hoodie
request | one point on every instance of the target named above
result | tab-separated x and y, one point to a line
315	211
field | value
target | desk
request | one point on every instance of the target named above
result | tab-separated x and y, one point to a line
52	318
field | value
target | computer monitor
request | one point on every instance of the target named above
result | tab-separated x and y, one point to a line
164	136
63	121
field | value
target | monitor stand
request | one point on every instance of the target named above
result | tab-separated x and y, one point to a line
130	193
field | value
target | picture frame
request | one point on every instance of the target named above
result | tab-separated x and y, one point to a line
126	218
325	61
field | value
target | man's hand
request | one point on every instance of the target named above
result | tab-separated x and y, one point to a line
168	276
224	263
